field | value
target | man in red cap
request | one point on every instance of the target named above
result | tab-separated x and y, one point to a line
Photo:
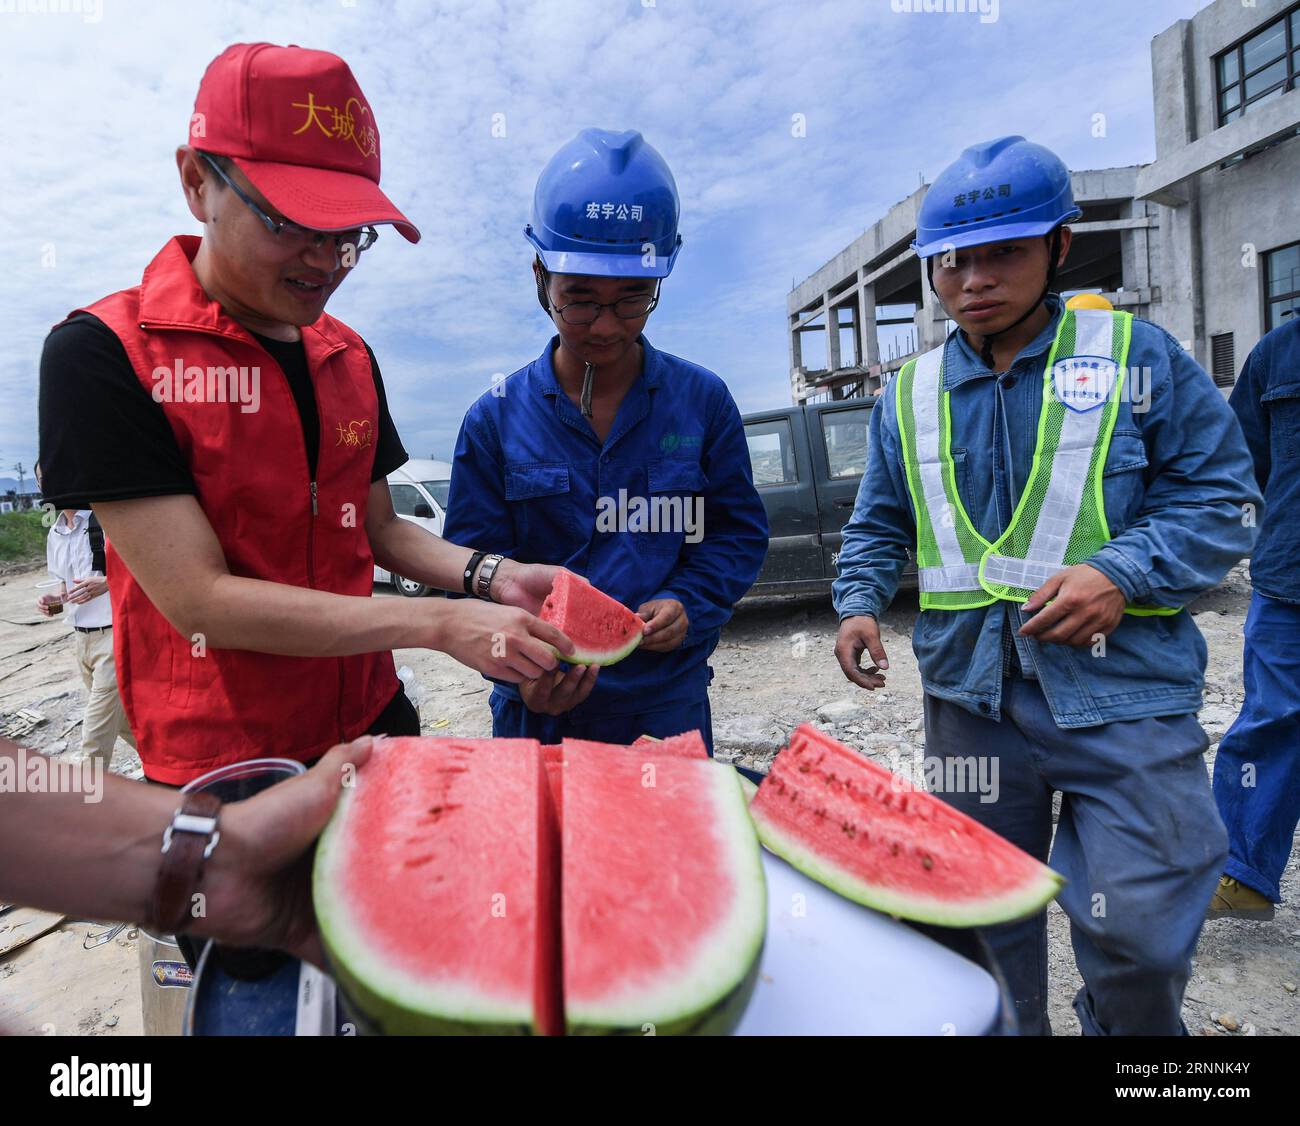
234	441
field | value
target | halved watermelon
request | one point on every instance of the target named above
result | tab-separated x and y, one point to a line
665	905
436	889
875	838
603	629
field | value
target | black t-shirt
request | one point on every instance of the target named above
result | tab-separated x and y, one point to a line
104	438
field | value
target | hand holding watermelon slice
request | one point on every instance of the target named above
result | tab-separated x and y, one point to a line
602	629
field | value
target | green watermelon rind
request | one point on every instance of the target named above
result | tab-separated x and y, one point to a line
385	1000
738	953
1028	899
600	657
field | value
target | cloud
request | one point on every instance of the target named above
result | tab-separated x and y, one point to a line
94	111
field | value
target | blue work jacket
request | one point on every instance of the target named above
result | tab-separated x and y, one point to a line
530	475
1179	494
1266	400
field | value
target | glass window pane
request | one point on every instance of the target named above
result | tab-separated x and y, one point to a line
439	490
1284	271
1265	78
1230	99
845	434
771	453
1268	45
1228	73
405	498
1231	116
1282	312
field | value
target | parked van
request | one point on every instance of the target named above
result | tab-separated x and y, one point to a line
419	492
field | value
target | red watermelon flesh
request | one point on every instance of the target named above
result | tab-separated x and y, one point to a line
603	630
553	761
877	839
436	888
664	902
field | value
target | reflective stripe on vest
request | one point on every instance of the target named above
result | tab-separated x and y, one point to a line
1060	518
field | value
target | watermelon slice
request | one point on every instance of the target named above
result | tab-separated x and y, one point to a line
665	905
603	629
444	848
873	837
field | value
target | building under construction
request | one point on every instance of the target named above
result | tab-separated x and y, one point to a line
1204	241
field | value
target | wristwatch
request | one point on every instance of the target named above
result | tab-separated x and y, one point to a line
489	568
187	842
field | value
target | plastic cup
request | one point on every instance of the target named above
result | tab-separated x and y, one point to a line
233	783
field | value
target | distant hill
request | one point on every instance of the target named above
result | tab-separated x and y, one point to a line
7	483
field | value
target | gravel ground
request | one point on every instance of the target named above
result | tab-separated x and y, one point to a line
775	669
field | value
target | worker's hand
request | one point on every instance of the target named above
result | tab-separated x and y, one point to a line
666	624
503	642
83	590
525	585
856	635
557	692
257	886
45	603
1073	607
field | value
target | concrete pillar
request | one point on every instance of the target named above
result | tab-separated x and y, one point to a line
930	318
832	335
796	361
868	340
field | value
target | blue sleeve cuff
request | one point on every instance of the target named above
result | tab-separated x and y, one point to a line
1132	583
859	610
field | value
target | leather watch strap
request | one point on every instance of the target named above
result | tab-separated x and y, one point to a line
187	843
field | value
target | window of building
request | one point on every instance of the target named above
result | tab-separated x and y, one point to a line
1282	281
771	452
1265	65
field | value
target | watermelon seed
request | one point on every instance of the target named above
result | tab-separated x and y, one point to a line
820	812
926	862
849	829
804	768
893	849
417	861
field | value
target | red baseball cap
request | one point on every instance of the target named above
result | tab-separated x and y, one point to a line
298	126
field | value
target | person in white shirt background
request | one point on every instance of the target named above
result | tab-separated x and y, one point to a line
71	559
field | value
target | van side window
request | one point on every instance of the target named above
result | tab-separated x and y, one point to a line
405	498
845	435
771	452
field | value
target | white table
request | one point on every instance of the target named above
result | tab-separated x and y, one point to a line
834	968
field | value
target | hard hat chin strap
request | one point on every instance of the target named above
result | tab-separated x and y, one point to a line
1053	255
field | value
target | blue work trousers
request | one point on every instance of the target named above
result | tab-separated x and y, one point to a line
1139	841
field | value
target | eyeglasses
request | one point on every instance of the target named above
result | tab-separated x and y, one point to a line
291	234
625	308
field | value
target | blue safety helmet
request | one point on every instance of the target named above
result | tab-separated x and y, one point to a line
604	200
1003	189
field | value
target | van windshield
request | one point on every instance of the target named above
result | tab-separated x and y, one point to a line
438	490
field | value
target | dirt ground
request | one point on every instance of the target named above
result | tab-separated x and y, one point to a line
774	669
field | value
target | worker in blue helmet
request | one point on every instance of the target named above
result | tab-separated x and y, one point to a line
1068	480
609	457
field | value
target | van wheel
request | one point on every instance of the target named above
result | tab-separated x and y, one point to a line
409	587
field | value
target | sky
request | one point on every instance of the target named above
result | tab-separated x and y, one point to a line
790	127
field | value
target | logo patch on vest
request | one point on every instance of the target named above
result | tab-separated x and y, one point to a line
1084	383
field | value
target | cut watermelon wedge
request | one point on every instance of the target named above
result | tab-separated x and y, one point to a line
875	838
444	849
665	905
602	628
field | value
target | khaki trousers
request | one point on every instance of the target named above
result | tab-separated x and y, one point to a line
105	718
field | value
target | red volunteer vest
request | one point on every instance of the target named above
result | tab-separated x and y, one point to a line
193	708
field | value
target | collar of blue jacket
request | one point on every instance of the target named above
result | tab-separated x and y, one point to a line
1177	489
531	480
